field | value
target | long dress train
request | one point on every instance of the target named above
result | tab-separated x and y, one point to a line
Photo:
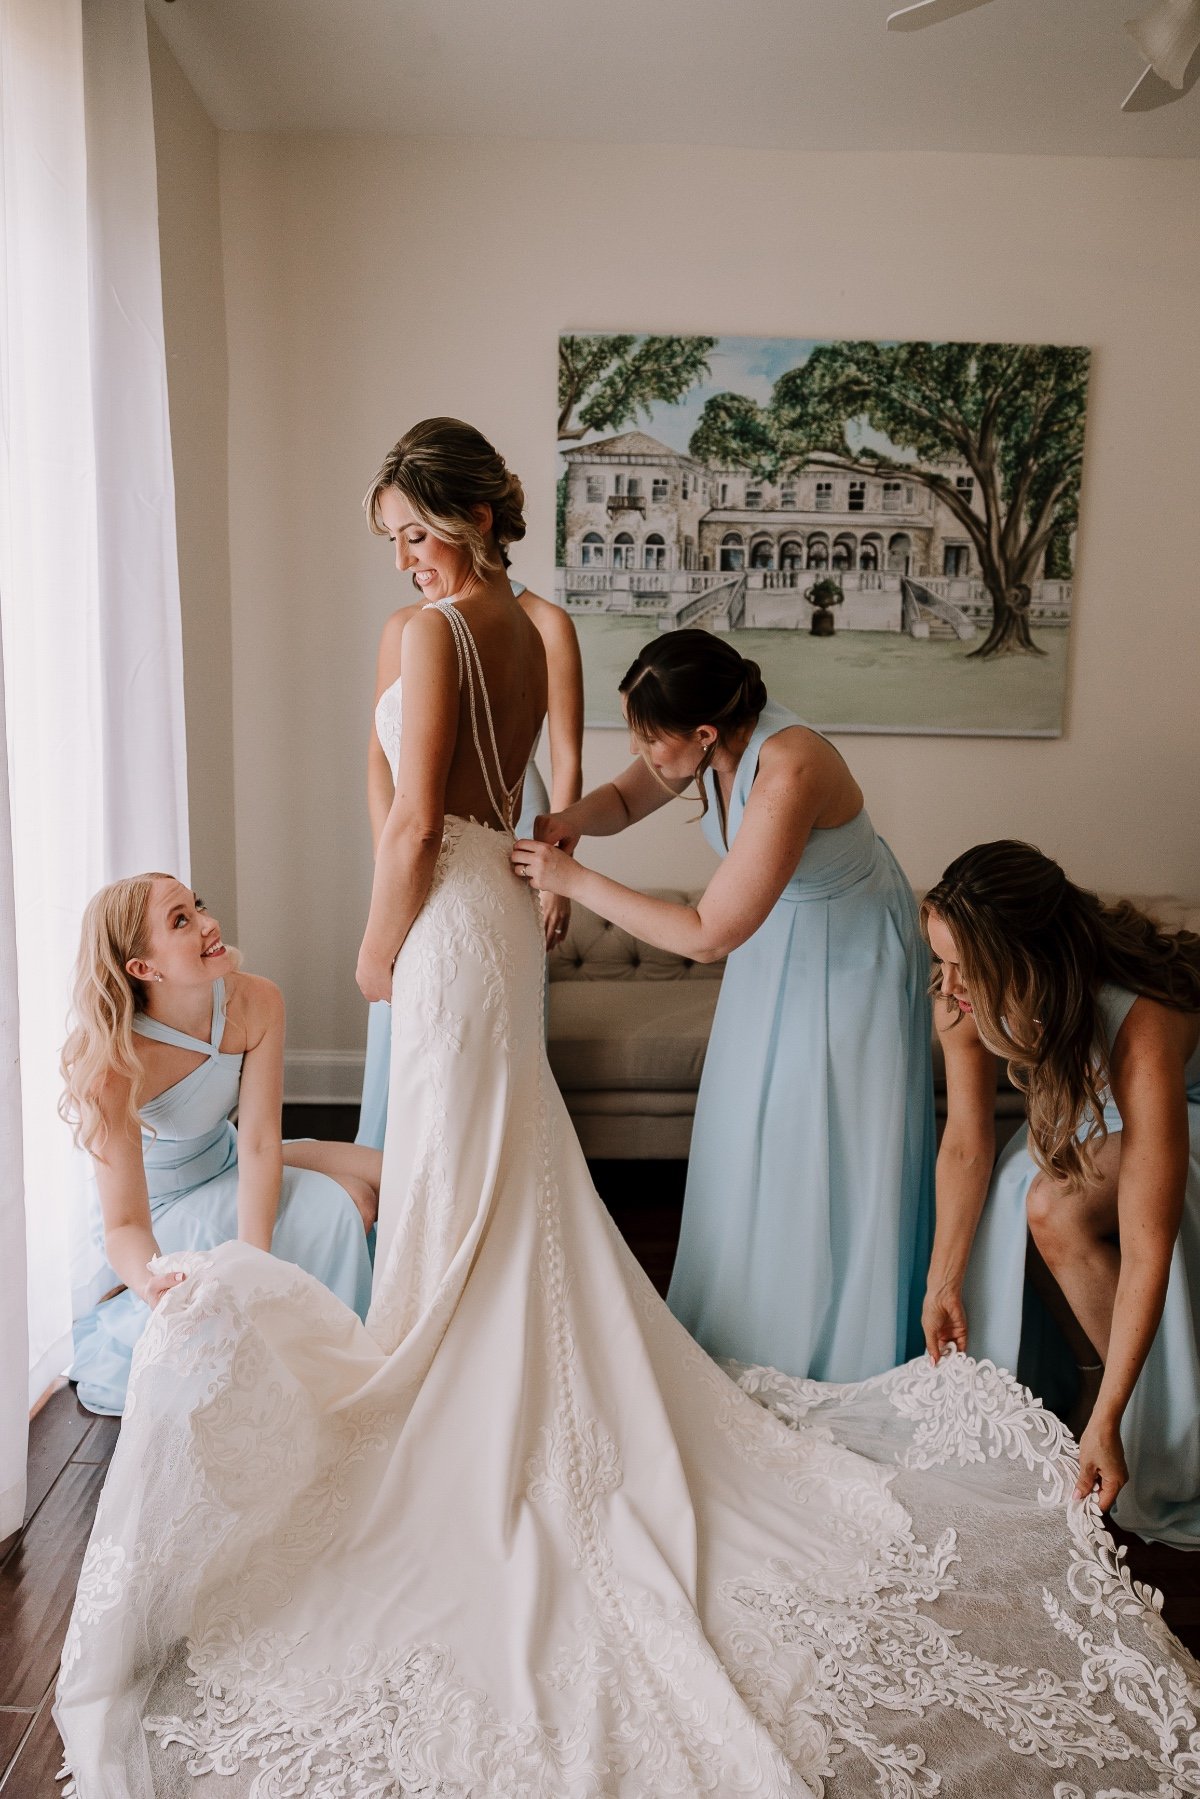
808	1216
1161	1428
521	1536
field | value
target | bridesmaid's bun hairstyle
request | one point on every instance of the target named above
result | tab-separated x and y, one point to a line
445	469
685	679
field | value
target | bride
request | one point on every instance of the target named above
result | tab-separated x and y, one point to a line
519	1535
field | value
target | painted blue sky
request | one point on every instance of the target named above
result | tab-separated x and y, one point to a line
744	365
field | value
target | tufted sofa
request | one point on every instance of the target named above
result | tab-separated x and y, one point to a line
629	1026
628	1029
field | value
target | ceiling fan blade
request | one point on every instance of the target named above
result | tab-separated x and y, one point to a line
929	12
1168	36
1150	91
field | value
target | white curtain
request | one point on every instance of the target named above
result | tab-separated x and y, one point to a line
89	592
14	1335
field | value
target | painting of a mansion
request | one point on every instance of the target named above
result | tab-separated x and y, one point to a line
651	531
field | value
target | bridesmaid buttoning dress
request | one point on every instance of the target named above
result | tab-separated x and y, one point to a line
372	1117
808	1213
190	1154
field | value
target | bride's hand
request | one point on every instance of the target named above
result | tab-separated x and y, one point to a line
548	870
556	916
373	975
552	827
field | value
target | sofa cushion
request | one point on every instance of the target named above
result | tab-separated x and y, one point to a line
594	950
610	1035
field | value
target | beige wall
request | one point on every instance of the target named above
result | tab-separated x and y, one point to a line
198	386
369	282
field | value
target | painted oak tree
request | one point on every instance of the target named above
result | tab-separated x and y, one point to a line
605	382
1012	413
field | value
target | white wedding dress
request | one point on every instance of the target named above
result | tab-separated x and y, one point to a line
520	1537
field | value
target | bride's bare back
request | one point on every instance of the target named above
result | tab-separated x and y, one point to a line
500	662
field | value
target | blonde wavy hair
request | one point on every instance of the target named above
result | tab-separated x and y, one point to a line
1034	948
444	468
104	999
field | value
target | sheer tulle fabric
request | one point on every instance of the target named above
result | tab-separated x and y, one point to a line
520	1536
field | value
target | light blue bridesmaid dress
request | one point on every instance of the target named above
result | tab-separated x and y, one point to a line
372	1117
1160	1431
808	1212
192	1176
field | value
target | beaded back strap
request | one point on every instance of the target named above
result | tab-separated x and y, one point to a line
467	654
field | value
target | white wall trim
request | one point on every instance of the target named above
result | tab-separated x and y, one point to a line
323	1077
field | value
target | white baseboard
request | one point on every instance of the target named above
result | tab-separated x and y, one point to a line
323	1077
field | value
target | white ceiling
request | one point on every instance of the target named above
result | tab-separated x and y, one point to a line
1038	76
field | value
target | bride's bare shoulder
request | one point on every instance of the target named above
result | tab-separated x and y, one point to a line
394	627
387	666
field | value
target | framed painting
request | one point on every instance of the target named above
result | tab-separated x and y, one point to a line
887	528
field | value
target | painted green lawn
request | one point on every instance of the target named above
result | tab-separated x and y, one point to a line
864	680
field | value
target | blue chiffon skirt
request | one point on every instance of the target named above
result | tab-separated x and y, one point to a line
808	1213
318	1227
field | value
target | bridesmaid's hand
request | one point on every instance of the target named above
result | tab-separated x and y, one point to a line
552	827
373	974
556	916
944	1321
548	870
158	1285
1102	1466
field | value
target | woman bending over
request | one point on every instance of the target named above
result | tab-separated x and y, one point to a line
1096	1012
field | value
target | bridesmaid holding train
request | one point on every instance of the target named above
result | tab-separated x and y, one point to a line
808	1212
1096	1011
168	1036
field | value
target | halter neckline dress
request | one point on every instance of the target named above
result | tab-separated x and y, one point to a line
189	1150
808	1211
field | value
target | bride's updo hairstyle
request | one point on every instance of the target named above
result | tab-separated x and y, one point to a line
685	679
445	468
1033	948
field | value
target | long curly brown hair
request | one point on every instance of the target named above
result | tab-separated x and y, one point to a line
1034	948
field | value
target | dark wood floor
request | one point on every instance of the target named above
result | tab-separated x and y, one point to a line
69	1452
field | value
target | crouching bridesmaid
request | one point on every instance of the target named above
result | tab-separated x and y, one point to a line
1096	1012
168	1036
